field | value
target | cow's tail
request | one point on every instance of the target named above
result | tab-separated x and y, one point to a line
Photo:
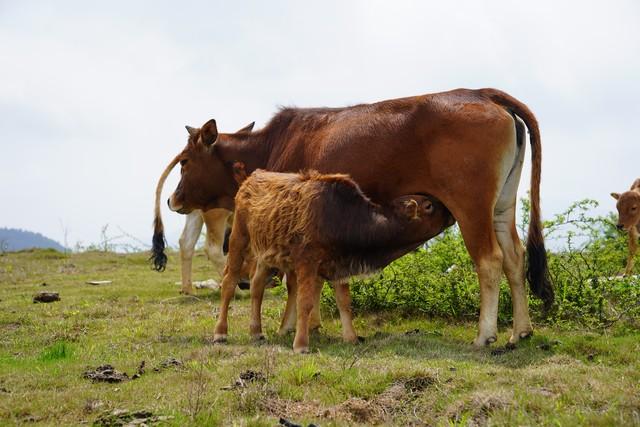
537	268
158	257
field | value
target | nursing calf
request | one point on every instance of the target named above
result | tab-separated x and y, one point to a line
628	206
318	227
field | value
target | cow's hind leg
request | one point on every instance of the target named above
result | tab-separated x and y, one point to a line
238	247
188	239
504	222
479	236
633	248
513	267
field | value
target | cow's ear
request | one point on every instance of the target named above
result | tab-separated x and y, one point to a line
247	129
615	195
192	131
209	133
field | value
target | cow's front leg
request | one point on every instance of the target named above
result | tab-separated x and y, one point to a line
633	248
188	239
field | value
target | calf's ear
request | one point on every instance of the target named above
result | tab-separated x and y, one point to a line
209	133
615	195
247	129
411	209
239	172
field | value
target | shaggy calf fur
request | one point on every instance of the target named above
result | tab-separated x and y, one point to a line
318	227
628	206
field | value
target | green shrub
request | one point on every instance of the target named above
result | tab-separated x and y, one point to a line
439	280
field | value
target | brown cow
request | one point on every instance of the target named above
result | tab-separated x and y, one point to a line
464	147
317	227
216	222
628	206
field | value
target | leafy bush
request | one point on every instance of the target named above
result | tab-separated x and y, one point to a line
439	279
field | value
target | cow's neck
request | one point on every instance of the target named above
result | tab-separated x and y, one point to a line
250	150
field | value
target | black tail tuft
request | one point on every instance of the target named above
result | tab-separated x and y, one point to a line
158	258
538	273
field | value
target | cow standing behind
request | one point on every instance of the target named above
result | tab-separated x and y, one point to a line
628	206
318	227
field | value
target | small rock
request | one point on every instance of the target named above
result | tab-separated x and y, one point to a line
46	297
98	282
93	405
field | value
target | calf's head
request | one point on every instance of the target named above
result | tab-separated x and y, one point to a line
424	216
628	205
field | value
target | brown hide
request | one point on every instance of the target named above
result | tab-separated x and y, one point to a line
319	227
459	146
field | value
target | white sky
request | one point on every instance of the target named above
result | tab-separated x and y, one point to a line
94	96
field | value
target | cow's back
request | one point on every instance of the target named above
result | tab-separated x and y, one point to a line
408	139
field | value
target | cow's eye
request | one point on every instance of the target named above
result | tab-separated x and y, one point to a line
634	208
183	162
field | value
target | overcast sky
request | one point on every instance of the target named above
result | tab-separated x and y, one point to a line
94	96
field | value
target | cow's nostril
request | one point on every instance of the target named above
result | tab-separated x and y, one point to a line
169	202
619	226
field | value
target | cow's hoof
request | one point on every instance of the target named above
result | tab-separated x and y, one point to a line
301	350
219	338
353	339
513	340
186	291
483	342
258	338
525	335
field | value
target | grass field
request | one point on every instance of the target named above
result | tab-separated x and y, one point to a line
408	371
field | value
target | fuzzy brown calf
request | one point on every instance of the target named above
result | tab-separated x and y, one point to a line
318	227
628	205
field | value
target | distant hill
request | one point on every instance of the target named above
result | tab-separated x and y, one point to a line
12	239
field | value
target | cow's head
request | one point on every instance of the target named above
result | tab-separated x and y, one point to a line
207	171
628	206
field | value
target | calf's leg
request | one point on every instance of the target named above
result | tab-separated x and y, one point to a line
238	246
258	283
343	301
289	317
309	288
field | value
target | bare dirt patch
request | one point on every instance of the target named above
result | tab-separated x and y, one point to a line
476	410
382	408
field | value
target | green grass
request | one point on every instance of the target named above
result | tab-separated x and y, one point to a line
562	376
